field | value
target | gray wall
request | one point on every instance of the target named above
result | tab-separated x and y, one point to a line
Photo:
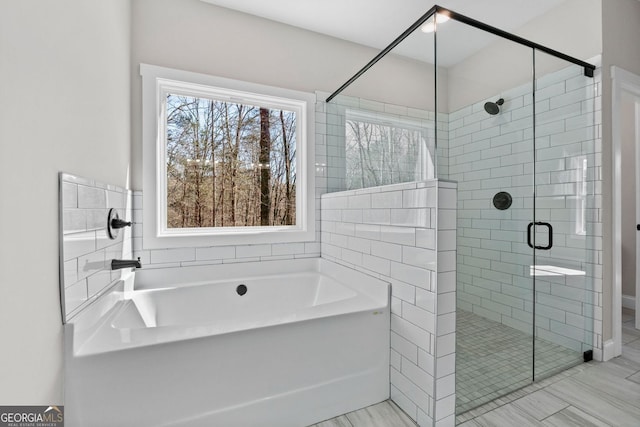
628	133
65	89
620	35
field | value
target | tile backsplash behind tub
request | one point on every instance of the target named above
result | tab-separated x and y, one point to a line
86	250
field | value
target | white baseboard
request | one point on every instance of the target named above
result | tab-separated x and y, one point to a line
629	301
608	352
597	354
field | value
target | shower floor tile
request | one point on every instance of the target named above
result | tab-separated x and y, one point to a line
493	359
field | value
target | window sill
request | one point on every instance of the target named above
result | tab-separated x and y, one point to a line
178	239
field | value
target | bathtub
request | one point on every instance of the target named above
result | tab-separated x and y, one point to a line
276	343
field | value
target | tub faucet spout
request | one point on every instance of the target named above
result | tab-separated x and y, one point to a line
117	264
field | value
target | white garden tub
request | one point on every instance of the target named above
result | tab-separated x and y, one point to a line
308	340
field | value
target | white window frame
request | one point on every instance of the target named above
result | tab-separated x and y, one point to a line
157	82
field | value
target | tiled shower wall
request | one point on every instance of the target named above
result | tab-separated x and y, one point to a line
488	154
405	234
85	249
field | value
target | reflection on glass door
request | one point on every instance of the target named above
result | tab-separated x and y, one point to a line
564	151
491	156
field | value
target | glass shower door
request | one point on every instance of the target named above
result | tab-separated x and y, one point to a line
564	168
491	156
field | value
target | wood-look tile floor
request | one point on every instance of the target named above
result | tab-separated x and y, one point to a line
384	414
591	394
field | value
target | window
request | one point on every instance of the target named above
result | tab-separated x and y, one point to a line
225	162
384	149
229	164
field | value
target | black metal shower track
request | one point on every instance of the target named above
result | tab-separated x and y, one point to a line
588	68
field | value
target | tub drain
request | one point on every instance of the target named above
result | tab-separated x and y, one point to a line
241	290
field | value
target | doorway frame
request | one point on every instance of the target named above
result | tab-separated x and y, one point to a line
622	81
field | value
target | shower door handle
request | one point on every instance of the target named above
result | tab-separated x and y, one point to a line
549	228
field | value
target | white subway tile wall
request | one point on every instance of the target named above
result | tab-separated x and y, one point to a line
390	232
85	249
182	257
488	154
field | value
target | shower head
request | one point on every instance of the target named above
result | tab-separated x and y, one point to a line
493	108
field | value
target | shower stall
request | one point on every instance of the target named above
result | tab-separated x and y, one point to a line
503	135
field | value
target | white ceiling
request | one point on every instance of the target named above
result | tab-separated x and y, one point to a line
376	23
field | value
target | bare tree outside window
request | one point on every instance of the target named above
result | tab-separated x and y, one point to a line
229	164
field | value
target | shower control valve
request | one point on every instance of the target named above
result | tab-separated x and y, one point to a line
114	223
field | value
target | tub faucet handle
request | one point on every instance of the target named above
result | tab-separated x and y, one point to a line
120	223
